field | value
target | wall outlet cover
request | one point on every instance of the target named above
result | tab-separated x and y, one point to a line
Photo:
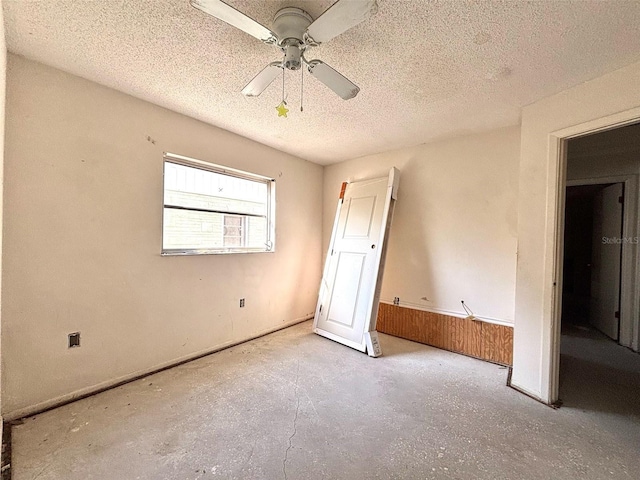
74	339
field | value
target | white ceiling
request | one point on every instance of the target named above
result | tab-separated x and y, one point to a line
426	69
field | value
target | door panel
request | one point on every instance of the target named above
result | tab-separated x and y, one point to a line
351	281
346	286
359	218
607	249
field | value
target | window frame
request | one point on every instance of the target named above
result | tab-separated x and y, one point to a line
230	172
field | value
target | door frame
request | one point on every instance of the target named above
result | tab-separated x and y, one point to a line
628	295
556	190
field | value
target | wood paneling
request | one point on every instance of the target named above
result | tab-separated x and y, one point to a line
486	341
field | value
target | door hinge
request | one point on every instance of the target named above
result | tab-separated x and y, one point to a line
621	199
617	314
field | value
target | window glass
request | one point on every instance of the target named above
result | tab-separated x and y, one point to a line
215	210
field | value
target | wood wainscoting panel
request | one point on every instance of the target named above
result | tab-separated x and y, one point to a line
486	341
497	343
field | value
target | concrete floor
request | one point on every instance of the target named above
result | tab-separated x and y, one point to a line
293	405
599	376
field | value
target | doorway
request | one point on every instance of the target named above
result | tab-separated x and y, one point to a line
598	317
593	258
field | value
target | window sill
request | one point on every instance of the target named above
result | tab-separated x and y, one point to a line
182	253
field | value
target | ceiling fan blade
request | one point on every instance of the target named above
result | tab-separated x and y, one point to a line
262	80
333	79
235	18
339	18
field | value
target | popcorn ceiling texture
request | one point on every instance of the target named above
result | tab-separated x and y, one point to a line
426	69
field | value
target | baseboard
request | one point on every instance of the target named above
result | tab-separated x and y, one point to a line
113	383
478	339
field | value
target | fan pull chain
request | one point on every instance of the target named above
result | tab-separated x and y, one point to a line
302	89
282	109
283	101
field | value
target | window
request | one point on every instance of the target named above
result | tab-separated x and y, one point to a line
213	209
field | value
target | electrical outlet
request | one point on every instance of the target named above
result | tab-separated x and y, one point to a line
396	300
74	339
241	302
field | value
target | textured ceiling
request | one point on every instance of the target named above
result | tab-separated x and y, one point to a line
426	69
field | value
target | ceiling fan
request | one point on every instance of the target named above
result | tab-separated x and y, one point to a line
293	32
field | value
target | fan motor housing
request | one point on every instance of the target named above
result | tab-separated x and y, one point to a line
290	23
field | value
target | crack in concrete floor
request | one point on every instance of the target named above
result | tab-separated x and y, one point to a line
295	424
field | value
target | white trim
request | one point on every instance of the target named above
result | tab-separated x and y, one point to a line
451	313
213	167
381	253
552	337
99	387
556	161
609	122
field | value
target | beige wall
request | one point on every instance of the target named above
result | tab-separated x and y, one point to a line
603	166
606	100
454	231
83	211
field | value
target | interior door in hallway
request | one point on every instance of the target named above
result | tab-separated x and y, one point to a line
350	288
606	258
